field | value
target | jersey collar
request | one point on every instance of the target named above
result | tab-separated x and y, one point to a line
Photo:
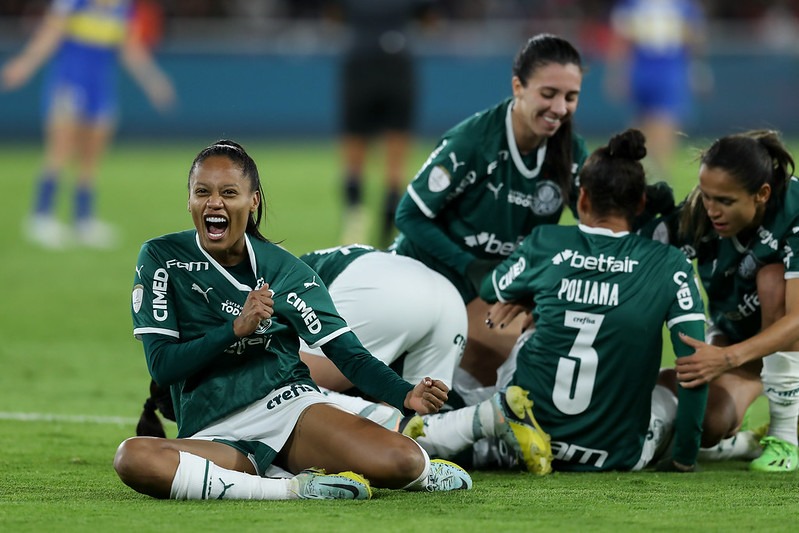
602	231
222	270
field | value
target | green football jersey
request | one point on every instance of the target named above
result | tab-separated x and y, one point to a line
601	300
181	293
728	267
330	262
480	197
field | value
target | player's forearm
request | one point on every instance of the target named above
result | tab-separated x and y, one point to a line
427	235
691	405
45	41
369	374
171	361
781	335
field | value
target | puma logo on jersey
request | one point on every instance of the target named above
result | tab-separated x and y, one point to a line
138	270
312	283
455	162
495	190
197	288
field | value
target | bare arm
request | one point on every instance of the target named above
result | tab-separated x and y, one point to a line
144	70
39	49
708	362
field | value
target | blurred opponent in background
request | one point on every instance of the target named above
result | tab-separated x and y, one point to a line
84	41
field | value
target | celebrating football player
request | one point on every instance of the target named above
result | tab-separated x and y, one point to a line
600	296
219	310
740	224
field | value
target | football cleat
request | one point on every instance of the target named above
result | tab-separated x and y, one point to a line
47	232
412	427
494	453
315	484
778	456
446	476
95	233
516	425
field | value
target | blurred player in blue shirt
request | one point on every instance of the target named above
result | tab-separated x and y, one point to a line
86	40
656	42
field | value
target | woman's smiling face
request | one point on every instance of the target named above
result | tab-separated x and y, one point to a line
221	201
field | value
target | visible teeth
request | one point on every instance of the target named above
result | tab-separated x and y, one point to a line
553	120
214	220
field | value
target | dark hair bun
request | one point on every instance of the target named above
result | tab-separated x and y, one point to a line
630	144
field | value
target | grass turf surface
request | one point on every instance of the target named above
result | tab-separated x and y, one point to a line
68	352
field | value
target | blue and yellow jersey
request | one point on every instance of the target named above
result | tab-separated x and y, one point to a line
95	23
83	71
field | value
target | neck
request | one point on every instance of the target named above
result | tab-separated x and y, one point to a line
616	224
526	141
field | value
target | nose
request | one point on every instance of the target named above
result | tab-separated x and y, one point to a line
214	200
712	209
559	105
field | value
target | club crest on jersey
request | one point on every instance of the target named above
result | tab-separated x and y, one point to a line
438	179
137	297
747	266
548	199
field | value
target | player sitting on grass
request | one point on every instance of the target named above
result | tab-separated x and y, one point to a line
219	310
599	297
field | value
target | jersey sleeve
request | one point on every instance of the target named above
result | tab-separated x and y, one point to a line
579	155
156	322
789	254
443	177
372	376
514	278
153	299
317	322
304	301
687	317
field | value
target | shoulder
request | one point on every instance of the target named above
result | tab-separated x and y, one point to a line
170	241
474	129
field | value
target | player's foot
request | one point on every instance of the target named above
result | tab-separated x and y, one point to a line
445	476
96	234
494	453
412	426
47	232
515	424
778	456
315	484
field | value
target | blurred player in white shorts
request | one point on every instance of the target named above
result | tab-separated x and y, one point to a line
406	314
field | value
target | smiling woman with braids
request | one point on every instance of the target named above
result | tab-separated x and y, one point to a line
220	311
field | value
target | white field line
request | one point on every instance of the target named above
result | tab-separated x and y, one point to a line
73	419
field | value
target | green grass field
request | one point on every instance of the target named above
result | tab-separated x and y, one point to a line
73	381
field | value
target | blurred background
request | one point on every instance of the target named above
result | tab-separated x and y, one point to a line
268	68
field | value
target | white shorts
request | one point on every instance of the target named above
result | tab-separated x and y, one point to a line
396	305
261	429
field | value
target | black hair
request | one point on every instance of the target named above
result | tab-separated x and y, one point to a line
236	153
541	50
753	158
613	176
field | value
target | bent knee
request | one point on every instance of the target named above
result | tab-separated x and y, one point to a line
721	421
131	457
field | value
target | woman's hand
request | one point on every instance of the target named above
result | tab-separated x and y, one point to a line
427	397
258	306
707	363
502	314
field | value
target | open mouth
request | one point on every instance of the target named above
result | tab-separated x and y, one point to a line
216	227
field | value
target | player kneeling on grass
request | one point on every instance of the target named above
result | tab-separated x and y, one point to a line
219	310
599	297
